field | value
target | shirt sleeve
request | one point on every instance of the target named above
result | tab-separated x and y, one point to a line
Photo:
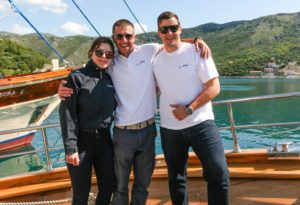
69	118
153	49
206	68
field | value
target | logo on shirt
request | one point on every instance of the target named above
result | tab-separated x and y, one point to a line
183	66
142	61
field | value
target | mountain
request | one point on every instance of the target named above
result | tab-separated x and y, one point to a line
247	45
17	59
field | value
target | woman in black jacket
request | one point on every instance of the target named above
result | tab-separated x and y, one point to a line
86	118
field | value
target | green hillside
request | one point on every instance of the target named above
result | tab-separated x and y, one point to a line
249	45
17	59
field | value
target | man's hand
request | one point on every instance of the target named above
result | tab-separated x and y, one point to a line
63	91
179	112
73	159
205	50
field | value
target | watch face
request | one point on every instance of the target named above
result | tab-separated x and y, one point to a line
189	110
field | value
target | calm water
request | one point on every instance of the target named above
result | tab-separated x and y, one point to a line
268	111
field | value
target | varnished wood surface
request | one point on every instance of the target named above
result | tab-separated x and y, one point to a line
254	180
33	77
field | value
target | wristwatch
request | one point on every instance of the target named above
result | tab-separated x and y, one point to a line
189	110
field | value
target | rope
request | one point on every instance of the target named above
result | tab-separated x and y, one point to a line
91	201
137	21
7	14
37	202
246	140
14	7
86	17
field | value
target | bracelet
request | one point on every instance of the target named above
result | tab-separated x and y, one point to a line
196	38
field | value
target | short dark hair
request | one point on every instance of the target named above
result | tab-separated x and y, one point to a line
122	22
166	15
97	42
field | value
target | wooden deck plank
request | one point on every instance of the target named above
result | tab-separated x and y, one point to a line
256	170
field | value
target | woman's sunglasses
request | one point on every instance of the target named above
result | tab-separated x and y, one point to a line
165	29
119	36
108	54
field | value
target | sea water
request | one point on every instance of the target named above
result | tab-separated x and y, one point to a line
248	113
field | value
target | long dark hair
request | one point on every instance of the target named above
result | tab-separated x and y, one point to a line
97	42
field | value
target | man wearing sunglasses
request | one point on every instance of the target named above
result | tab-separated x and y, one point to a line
188	83
134	131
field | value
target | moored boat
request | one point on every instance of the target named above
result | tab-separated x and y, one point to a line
27	100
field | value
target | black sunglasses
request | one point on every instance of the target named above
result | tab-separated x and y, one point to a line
165	29
121	36
108	54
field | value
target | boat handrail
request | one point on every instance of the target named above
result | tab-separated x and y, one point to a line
232	126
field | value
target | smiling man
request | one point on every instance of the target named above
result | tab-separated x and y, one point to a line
188	83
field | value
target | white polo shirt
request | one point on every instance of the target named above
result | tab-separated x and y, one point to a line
134	84
181	76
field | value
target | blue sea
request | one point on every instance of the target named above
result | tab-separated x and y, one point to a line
267	111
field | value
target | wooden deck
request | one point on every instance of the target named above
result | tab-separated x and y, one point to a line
255	179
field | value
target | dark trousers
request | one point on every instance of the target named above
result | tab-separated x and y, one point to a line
206	142
94	150
134	148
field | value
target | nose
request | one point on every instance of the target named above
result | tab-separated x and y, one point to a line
169	31
124	39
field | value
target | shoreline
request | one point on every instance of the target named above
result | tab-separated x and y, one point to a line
264	77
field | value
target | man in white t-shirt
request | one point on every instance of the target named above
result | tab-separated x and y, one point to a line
187	84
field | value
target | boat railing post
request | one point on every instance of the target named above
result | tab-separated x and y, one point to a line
49	165
232	125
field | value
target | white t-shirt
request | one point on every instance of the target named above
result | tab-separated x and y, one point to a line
181	76
134	84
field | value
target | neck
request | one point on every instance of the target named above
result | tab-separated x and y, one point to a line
172	48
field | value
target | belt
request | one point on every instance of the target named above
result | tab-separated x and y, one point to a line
93	131
138	126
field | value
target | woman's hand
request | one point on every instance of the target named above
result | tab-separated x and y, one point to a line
73	159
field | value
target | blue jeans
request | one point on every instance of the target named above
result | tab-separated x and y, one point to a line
134	148
206	142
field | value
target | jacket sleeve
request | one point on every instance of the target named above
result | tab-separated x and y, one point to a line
68	116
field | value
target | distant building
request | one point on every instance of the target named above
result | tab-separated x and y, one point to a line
229	62
256	72
272	65
268	70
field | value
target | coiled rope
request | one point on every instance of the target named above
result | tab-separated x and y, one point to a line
91	201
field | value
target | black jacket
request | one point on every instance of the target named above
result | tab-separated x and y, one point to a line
91	105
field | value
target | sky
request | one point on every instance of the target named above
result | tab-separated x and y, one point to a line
62	18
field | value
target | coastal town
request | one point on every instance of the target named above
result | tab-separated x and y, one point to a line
292	70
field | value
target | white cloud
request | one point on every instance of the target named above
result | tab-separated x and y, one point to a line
74	28
138	29
16	28
54	6
4	6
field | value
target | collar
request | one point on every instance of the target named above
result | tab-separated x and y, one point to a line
92	67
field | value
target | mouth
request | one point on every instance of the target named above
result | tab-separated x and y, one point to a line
124	46
170	38
103	61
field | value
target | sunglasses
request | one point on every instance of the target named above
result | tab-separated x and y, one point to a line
121	36
165	29
108	54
